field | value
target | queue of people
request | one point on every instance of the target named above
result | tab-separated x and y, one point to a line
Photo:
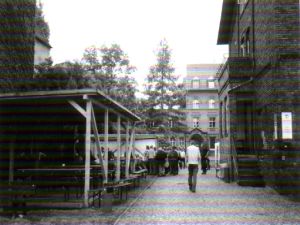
164	161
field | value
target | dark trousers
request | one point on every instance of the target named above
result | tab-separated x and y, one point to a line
205	164
173	166
193	171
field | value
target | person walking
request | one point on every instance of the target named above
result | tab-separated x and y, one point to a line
193	159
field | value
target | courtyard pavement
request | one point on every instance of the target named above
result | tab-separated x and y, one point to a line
169	201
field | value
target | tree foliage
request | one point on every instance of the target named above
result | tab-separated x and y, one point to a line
109	70
41	26
67	75
165	96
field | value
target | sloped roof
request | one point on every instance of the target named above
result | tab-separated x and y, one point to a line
56	94
226	21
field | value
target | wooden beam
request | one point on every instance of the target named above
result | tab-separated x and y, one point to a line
95	102
106	140
127	150
11	160
118	172
128	155
97	140
87	152
133	150
78	107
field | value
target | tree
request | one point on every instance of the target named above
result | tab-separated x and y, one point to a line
124	92
165	96
109	69
41	26
67	75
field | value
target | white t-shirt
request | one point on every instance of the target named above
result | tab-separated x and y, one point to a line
193	155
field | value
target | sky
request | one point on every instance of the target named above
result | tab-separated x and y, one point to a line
189	26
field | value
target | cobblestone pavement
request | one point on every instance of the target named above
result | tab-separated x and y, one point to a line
168	201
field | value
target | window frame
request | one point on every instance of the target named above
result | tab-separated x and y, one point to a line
212	122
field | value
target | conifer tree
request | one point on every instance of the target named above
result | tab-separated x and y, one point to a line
164	94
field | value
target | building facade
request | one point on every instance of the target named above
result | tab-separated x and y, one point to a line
16	42
41	50
259	89
202	100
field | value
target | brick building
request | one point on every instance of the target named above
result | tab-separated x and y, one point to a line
259	91
16	42
202	100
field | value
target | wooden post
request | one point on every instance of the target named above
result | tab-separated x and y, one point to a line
11	160
106	142
127	150
133	150
97	140
118	172
87	152
128	155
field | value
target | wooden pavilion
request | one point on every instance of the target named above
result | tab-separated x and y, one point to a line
53	130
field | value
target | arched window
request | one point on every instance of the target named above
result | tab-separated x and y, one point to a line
211	104
211	82
196	104
196	122
195	82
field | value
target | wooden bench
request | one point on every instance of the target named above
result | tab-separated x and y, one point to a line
142	172
133	179
120	188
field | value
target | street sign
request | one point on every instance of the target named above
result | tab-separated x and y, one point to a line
287	128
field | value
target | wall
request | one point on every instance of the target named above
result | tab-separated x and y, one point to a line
16	43
41	52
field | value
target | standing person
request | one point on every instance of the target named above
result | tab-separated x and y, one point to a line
173	161
160	158
204	157
182	159
146	155
151	159
193	159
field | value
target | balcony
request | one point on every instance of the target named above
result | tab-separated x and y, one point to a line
235	70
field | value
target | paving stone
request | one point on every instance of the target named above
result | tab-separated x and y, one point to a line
169	201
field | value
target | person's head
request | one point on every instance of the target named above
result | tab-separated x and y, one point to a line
195	139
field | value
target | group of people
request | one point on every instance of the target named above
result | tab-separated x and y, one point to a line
162	161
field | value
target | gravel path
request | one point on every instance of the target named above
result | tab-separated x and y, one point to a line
168	201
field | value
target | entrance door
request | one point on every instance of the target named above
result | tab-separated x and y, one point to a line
244	141
248	126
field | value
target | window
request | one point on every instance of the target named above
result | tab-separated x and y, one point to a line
211	82
242	4
195	82
221	119
173	143
245	44
212	122
225	116
211	104
196	104
212	142
171	123
196	122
